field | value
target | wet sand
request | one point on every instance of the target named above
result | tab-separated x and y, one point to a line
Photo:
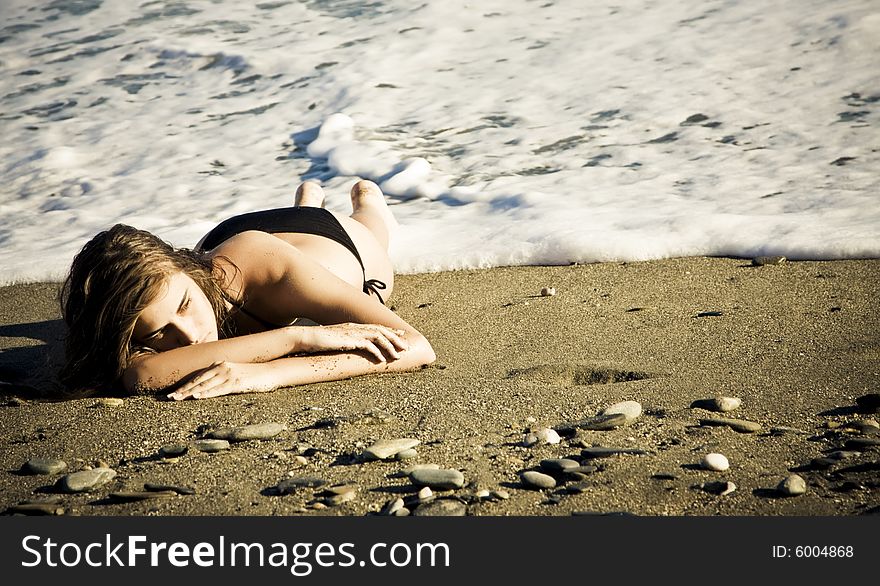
797	342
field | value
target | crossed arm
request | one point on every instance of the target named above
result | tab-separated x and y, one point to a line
358	336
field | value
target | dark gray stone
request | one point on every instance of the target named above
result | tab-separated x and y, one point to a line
182	490
384	449
173	451
558	464
211	446
860	444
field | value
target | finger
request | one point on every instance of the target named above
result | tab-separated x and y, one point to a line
387	347
372	350
201	381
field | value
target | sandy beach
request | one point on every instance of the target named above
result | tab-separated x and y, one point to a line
797	342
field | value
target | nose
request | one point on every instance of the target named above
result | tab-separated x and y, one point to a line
186	335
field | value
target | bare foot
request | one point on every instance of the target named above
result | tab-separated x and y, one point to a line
309	194
371	210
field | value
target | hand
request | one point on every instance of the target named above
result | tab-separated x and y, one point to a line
380	342
221	378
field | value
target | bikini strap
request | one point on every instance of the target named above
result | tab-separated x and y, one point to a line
372	286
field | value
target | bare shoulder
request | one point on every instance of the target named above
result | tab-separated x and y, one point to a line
257	257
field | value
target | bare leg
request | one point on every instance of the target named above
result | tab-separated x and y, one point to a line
310	195
369	208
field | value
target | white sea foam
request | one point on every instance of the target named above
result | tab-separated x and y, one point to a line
504	132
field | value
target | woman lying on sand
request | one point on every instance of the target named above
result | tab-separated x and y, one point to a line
216	320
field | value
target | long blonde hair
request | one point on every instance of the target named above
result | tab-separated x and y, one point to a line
111	281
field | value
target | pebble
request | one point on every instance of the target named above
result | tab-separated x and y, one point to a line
182	490
43	466
300	461
391	507
547	436
407	454
548	291
347	488
35	509
318	506
533	479
760	261
173	451
500	494
134	496
739	425
211	445
483	494
291	485
384	449
717	462
425	494
793	485
629	409
726	404
559	464
441	508
257	431
721	488
338	499
869	403
109	402
530	440
603	452
439	479
402	512
86	480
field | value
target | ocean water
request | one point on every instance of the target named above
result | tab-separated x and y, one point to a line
504	132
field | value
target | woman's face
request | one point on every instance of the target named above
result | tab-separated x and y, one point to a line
180	315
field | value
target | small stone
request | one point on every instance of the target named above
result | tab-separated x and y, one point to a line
257	431
793	485
441	508
211	446
547	436
402	512
425	495
341	489
86	480
291	485
581	471
537	480
43	466
406	454
391	507
726	404
721	488
439	479
629	409
500	494
173	451
384	449
109	402
34	509
548	291
483	494
717	462
559	464
530	440
739	425
182	490
300	461
760	261
869	403
318	506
